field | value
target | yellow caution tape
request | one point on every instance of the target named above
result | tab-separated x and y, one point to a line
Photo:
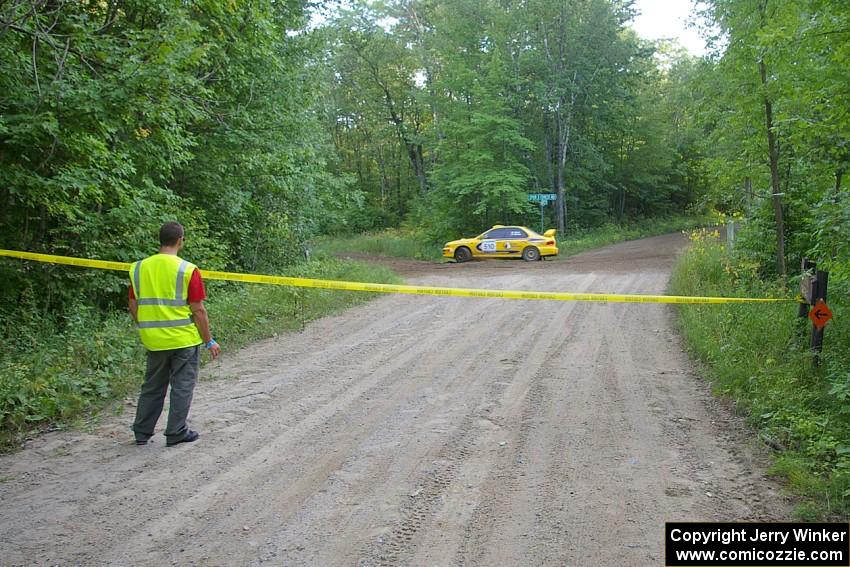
406	289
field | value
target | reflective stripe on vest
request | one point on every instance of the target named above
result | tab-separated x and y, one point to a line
161	289
161	324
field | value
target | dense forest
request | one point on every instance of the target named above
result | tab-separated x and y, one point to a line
263	124
450	113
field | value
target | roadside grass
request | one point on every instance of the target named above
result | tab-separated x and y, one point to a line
417	245
397	243
757	355
56	374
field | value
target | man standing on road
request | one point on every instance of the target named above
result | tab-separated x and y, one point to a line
166	302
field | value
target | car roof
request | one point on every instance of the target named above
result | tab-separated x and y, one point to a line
510	226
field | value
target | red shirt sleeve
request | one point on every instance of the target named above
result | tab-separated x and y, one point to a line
196	288
132	295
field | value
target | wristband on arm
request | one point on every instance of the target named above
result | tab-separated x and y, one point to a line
211	344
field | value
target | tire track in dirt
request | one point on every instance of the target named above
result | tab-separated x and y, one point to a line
450	380
429	495
511	479
101	490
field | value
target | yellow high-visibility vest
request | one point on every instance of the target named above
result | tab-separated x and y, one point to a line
161	285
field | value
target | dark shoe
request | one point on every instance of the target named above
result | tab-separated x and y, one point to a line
142	440
190	436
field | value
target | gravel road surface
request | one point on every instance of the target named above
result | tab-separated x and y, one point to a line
416	430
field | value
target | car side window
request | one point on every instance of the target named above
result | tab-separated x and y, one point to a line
497	233
516	233
506	234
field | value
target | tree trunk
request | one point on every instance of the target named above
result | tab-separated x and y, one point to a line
565	124
399	202
414	151
773	155
548	136
562	116
621	210
563	143
358	161
561	199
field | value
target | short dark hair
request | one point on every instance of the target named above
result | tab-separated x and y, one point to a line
170	233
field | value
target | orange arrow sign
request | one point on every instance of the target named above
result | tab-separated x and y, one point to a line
820	314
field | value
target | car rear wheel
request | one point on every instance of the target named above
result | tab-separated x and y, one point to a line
530	254
463	254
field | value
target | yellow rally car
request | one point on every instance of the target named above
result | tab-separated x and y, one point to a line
504	242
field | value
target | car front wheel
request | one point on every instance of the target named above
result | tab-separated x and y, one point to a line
463	254
531	254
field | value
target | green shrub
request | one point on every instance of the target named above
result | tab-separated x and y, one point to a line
757	354
58	368
397	243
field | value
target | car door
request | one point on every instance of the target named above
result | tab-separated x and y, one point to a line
515	240
492	243
504	242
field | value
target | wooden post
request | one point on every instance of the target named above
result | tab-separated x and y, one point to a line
806	281
819	293
730	235
542	222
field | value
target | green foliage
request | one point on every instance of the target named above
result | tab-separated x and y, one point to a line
53	370
802	48
392	242
757	355
117	116
447	114
375	116
482	176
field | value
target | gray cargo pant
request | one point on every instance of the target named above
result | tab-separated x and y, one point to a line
179	368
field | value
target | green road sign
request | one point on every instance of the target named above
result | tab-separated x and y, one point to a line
541	197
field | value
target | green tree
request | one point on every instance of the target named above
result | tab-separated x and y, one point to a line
564	90
481	175
774	113
118	115
376	110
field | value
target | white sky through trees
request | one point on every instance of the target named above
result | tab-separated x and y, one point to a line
669	19
657	19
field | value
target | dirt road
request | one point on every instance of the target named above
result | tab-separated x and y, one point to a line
416	431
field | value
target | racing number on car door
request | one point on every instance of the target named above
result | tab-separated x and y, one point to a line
494	243
488	246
